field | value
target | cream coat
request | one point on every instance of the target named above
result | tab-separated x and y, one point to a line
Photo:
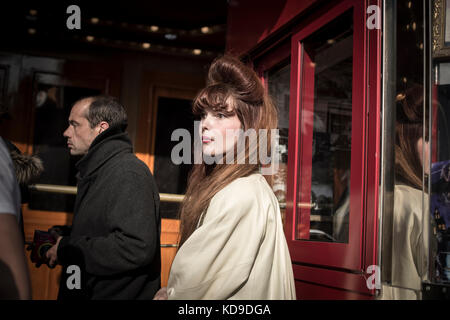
409	246
239	251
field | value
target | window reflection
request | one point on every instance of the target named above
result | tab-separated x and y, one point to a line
328	56
279	90
440	178
408	248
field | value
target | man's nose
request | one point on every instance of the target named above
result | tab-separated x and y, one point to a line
66	133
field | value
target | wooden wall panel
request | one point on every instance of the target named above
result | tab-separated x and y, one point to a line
151	78
154	85
169	235
44	281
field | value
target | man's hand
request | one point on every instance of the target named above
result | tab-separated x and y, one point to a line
52	255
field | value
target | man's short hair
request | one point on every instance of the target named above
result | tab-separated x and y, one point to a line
108	109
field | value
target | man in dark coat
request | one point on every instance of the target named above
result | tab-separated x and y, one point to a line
113	249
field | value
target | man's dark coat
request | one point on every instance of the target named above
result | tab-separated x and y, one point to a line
115	235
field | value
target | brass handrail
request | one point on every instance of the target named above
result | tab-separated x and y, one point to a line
164	197
163	245
51	188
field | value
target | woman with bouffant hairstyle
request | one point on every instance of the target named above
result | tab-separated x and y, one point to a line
232	244
409	138
409	245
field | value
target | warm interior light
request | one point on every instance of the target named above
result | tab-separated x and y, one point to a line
154	28
90	38
95	20
197	52
33	12
31	31
205	30
146	45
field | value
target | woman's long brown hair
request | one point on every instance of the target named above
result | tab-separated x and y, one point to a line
232	88
409	129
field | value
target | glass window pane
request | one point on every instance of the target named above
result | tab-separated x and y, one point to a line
279	90
328	57
440	177
169	177
405	216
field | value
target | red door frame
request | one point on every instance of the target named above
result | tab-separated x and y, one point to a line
339	255
343	264
321	278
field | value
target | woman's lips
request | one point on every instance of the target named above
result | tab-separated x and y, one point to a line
206	139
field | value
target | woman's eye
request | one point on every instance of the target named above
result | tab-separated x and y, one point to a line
220	116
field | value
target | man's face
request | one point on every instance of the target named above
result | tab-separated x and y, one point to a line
79	134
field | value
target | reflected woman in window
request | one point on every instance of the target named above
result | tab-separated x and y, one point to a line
409	245
232	244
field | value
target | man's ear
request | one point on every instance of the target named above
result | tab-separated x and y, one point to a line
103	126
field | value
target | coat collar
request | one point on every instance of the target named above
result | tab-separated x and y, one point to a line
104	147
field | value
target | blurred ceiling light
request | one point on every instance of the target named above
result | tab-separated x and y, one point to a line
95	20
31	31
33	12
331	41
146	45
154	28
205	30
90	38
197	52
409	4
414	26
170	36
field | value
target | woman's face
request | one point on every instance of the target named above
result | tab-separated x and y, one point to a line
219	133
